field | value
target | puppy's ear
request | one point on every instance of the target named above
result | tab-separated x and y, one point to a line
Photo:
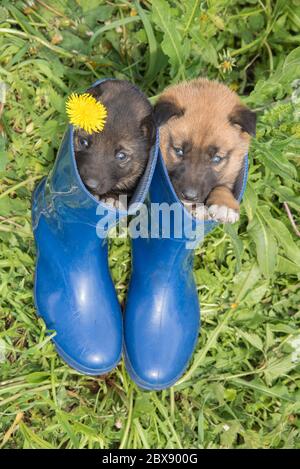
246	119
148	128
96	91
164	110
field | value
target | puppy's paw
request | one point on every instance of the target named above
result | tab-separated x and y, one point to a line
198	211
223	214
113	203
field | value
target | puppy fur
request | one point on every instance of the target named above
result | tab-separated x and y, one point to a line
205	132
112	161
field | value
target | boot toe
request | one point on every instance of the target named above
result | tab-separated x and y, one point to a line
153	374
92	361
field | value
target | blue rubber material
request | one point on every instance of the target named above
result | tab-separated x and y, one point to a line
162	315
74	292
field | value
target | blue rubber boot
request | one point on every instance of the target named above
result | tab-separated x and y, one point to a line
162	316
74	292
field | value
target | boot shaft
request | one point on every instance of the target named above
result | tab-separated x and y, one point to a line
64	200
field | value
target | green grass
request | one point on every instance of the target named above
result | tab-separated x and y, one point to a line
242	389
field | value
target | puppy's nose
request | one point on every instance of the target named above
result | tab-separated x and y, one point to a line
190	193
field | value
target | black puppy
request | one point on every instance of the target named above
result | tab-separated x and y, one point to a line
111	162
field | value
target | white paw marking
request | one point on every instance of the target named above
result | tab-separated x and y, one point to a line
198	211
223	214
113	202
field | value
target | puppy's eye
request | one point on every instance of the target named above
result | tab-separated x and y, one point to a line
84	143
216	159
179	152
121	157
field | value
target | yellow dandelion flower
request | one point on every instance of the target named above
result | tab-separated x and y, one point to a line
204	17
86	112
226	66
234	86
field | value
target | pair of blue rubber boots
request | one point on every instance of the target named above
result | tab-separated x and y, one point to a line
74	291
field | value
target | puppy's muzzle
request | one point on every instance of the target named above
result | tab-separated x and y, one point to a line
91	183
190	194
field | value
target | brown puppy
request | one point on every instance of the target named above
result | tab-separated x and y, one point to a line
204	136
111	162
